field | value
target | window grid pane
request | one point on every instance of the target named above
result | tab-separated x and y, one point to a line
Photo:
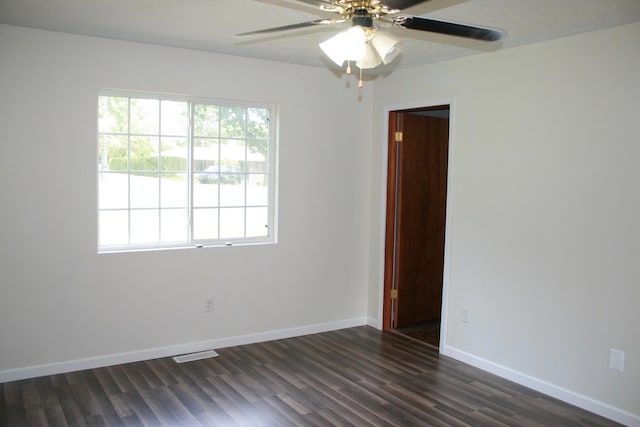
178	172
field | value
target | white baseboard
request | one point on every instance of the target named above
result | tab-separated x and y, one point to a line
374	323
584	402
169	351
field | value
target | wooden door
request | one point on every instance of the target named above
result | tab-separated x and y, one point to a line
416	208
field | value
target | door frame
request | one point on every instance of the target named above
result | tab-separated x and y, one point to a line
383	207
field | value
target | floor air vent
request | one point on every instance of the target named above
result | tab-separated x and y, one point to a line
195	356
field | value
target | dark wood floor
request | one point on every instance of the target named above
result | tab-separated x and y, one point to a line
427	332
358	376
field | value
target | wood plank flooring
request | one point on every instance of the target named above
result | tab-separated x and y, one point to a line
352	377
427	332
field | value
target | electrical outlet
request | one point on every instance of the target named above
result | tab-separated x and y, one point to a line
465	315
616	359
208	305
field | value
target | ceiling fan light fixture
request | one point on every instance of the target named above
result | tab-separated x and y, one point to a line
387	46
370	60
367	47
348	45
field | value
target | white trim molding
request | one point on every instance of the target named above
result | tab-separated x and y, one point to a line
174	350
374	323
568	396
451	102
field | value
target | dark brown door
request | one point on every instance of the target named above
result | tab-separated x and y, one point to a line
416	218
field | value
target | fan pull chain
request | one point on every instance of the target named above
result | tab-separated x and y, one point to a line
360	84
348	67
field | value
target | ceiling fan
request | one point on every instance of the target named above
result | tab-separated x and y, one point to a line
364	43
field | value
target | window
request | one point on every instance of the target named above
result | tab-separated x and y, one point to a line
181	172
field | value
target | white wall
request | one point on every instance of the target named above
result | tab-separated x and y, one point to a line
544	217
60	301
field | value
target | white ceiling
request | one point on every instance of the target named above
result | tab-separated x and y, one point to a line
211	24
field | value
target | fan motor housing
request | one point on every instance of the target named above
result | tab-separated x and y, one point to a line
362	20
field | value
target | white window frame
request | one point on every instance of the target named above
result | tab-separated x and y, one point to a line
191	241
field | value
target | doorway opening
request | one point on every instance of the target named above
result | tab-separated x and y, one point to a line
417	176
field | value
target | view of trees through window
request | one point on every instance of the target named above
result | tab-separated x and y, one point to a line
175	172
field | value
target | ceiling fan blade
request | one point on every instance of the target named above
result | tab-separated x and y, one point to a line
293	26
449	28
317	3
402	4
